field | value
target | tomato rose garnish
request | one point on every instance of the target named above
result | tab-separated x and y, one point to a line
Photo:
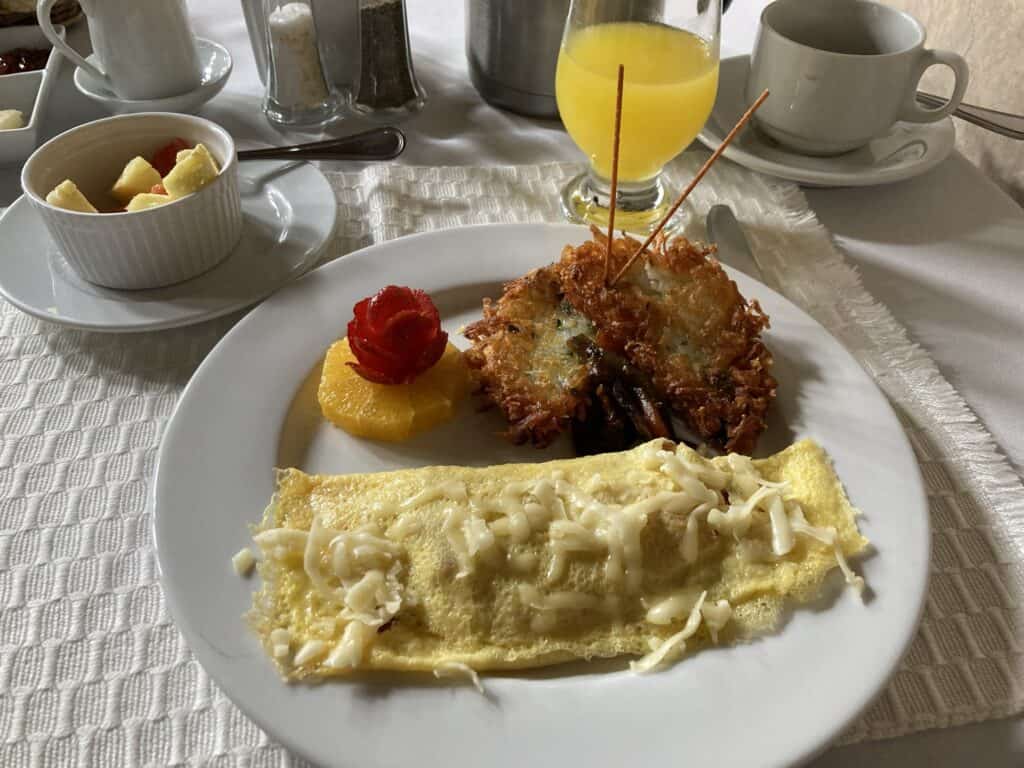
395	335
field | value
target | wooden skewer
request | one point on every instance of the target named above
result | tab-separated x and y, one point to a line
696	180
615	172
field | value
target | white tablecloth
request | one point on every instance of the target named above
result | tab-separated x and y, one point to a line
943	251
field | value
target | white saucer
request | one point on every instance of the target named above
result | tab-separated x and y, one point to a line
289	211
216	69
907	150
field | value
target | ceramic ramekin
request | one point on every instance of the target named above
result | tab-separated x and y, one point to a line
144	249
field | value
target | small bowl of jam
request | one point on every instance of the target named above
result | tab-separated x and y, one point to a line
19	60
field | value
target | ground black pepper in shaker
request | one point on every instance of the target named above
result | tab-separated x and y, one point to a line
387	83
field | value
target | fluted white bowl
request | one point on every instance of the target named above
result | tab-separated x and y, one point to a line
143	249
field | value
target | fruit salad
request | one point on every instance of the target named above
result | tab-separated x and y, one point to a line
175	170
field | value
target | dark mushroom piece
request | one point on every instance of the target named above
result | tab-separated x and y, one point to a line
625	408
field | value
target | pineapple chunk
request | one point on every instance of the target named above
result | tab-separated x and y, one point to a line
191	173
138	177
145	200
66	195
11	119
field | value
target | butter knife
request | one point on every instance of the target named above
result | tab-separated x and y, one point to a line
733	249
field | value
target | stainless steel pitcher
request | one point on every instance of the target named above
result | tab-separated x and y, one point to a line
512	47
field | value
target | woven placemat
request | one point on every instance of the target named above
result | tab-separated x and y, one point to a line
93	672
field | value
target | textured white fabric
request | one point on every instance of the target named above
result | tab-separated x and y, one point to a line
92	672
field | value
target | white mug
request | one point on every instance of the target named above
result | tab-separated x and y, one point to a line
841	73
145	48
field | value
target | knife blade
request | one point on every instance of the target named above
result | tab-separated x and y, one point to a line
733	249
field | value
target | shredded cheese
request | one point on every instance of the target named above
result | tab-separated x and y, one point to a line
522	562
716	617
354	643
243	561
453	491
690	546
460	671
671	609
782	532
311	651
828	537
406	525
674	646
280	643
280	543
454	528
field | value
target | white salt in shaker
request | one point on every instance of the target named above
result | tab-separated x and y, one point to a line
298	92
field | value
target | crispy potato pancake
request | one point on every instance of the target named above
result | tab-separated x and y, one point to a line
525	565
522	360
678	317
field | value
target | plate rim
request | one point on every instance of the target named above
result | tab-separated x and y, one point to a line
313	255
823	741
944	142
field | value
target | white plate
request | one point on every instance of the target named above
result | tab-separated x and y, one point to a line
250	407
289	214
907	150
216	69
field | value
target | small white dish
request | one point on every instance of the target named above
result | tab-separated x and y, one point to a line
288	212
216	66
28	92
250	407
151	248
909	149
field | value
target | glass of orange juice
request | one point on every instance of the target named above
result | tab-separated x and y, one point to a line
669	52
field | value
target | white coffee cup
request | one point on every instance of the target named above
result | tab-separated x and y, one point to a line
841	73
145	48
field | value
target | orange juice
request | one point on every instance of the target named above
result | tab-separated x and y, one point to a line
671	78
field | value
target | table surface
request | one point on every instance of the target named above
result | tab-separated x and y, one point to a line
944	251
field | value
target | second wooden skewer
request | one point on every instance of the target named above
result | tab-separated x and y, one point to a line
696	180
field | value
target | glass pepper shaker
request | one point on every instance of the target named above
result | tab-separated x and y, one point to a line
298	92
388	88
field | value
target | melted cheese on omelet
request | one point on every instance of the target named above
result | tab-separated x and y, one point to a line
448	569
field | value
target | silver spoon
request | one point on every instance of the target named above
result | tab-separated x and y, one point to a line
1003	123
376	144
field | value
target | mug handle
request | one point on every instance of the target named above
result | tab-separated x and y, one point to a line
914	112
46	26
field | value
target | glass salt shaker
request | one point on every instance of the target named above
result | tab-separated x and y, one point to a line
388	89
298	91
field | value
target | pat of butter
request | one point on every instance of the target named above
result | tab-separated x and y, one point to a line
11	119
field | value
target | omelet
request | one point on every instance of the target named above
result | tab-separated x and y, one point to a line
650	552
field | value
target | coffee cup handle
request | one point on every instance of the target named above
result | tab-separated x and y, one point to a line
914	112
46	26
